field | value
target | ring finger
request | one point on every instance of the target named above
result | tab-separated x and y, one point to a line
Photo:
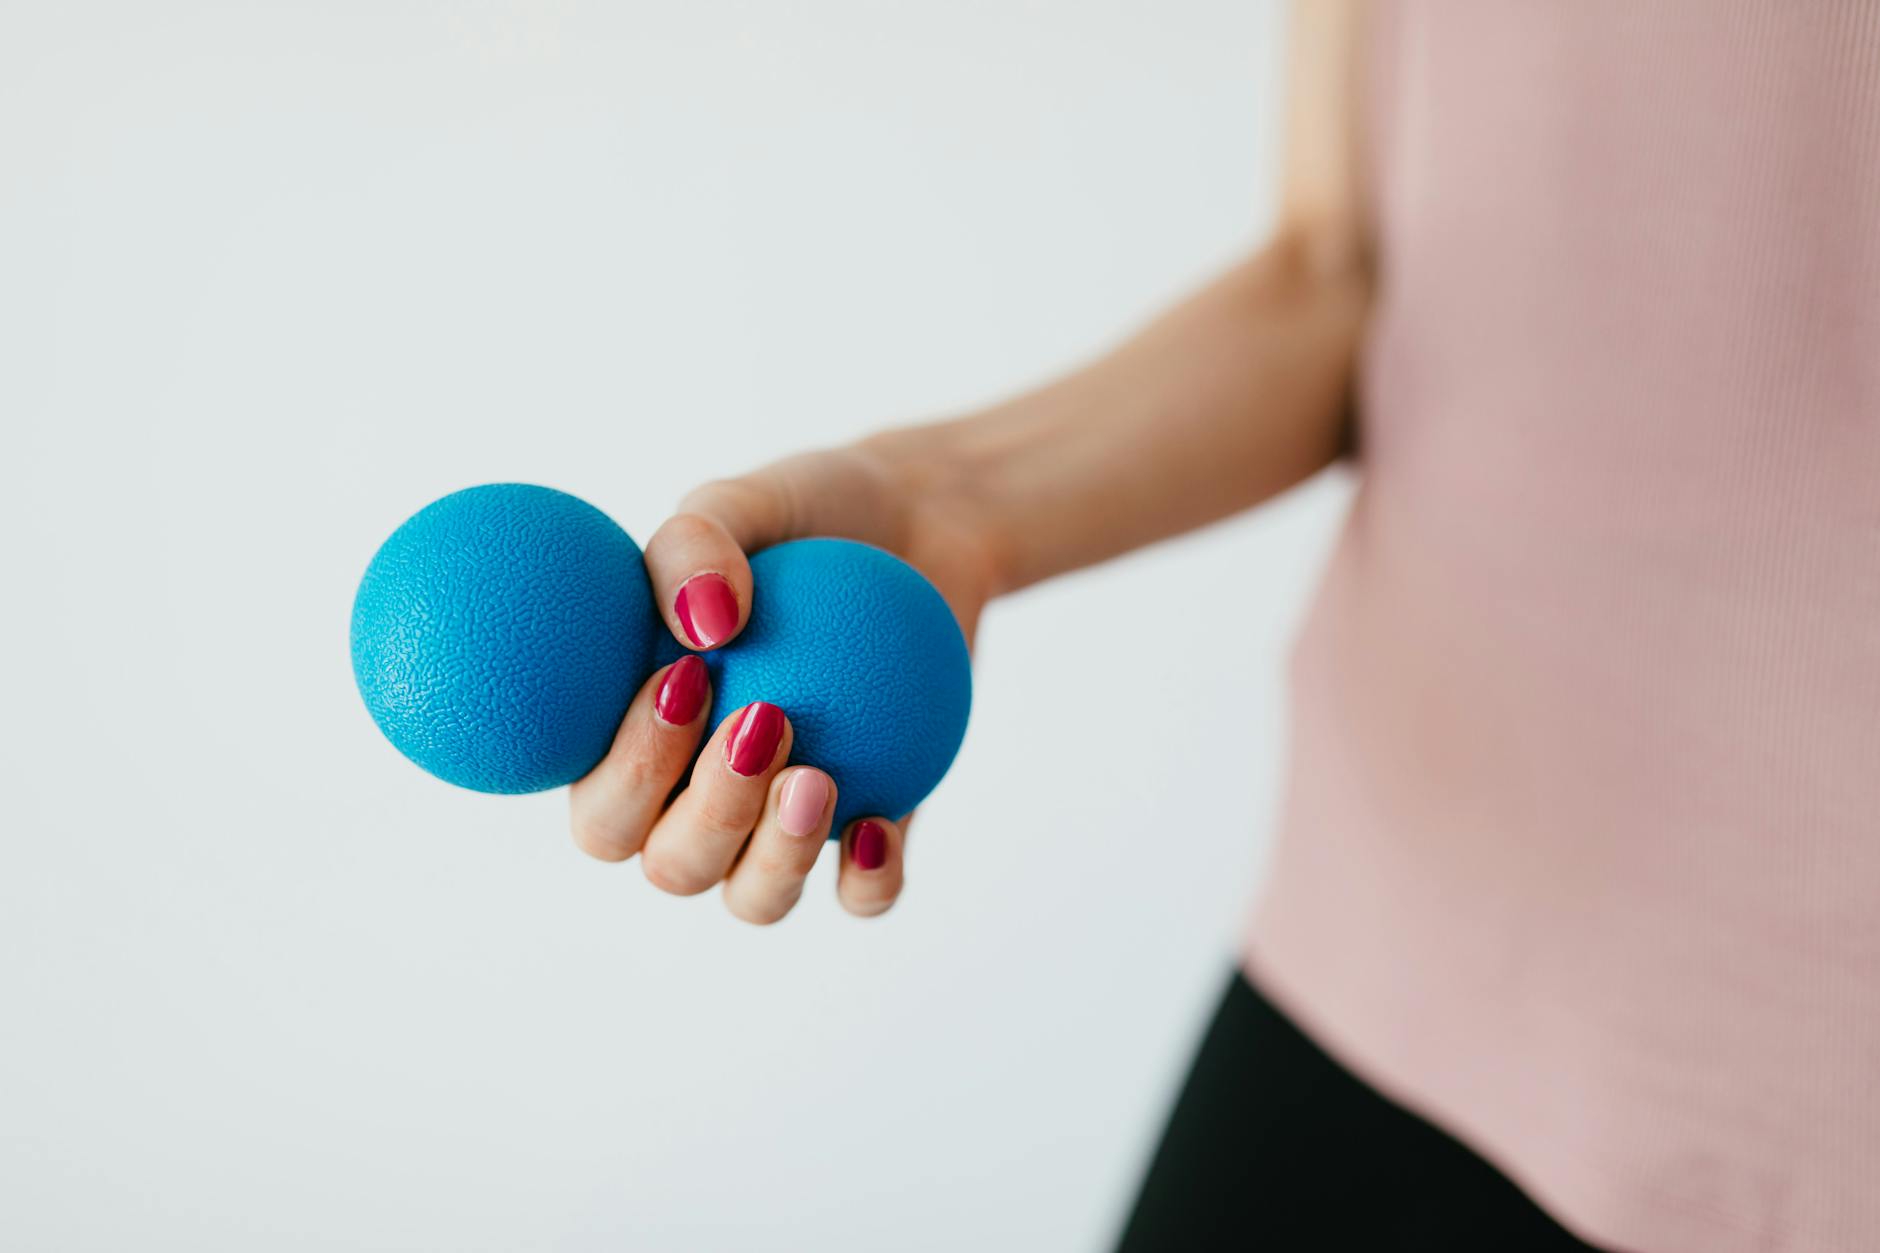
768	879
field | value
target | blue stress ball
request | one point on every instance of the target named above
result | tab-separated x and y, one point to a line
862	653
499	635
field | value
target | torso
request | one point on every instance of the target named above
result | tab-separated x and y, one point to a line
1581	853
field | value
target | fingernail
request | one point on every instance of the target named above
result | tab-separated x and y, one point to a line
871	845
800	805
707	609
753	741
682	692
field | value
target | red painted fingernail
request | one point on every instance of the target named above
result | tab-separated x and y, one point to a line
753	740
871	845
682	692
707	609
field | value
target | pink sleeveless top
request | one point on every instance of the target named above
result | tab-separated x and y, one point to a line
1580	856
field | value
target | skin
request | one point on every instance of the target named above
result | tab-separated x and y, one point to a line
1234	395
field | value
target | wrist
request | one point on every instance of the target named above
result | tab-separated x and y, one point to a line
936	472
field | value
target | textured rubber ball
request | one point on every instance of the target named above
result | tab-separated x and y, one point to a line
868	661
499	635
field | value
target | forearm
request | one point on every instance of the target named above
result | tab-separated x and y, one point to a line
1229	398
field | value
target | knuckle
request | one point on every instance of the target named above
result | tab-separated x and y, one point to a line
685	530
771	863
748	492
629	771
673	876
870	900
871	907
635	764
599	841
731	810
765	911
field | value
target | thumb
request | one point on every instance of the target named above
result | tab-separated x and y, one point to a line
696	559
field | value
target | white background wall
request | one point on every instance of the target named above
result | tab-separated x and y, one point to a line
271	277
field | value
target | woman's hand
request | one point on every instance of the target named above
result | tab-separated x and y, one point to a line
1234	395
743	818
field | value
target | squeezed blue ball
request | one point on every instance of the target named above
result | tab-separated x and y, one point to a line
499	635
865	657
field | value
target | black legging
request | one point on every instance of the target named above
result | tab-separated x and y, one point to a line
1273	1145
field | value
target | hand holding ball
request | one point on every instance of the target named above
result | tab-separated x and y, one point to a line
499	635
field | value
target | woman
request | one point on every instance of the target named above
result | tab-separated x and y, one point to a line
1572	933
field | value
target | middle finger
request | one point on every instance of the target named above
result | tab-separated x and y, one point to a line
698	837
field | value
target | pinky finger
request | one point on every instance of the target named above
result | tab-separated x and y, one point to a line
870	878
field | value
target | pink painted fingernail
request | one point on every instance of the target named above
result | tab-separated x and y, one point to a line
800	805
707	609
871	845
754	738
682	692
